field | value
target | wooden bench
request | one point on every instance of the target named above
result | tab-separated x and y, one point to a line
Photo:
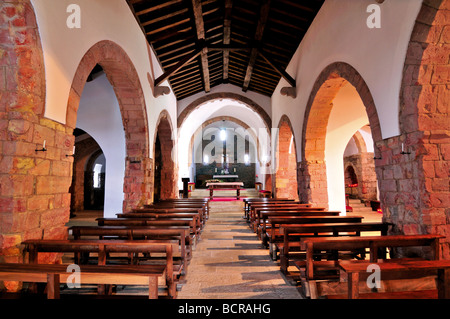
103	249
274	236
181	234
377	246
254	207
357	271
194	217
199	211
289	248
53	275
177	202
166	222
268	202
263	216
249	201
204	206
255	219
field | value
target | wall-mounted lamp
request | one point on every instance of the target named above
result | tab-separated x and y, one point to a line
403	149
43	149
73	152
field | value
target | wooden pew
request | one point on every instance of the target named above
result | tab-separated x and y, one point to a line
258	207
194	217
104	248
201	202
142	233
53	275
274	236
249	201
289	248
174	218
173	211
260	223
140	221
397	269
203	207
256	210
373	243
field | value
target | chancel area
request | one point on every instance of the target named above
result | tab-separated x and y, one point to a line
224	149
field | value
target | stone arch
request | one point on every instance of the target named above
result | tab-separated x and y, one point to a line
124	79
168	170
312	172
231	119
418	197
225	95
286	184
360	143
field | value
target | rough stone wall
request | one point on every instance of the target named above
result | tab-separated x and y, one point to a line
364	166
286	185
415	186
34	198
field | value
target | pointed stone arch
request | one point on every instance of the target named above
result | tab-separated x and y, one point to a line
168	169
124	79
286	185
312	170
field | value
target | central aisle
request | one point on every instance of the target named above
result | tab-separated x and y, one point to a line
229	262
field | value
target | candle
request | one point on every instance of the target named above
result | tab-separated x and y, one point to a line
73	152
43	145
403	146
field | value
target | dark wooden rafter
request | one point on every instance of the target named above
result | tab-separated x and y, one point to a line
200	27
279	70
180	64
204	43
263	16
227	37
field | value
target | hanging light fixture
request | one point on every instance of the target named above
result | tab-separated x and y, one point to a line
223	132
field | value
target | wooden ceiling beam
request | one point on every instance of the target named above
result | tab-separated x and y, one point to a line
279	70
263	17
227	37
200	26
179	65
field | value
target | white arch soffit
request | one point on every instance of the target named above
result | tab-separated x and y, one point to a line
347	116
214	127
216	108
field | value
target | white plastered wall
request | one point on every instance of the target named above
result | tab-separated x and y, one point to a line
64	48
99	115
347	116
339	33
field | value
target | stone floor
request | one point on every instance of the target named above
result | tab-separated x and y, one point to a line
230	263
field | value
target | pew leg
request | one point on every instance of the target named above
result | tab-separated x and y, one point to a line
53	286
274	252
313	289
153	287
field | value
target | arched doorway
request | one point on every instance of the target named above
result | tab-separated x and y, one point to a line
220	106
328	126
84	194
225	147
123	77
165	172
286	185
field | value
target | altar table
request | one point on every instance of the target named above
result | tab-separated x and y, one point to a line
225	186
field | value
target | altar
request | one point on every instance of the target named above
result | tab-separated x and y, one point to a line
225	186
226	177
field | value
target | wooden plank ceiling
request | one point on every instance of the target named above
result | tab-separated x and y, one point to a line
204	43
